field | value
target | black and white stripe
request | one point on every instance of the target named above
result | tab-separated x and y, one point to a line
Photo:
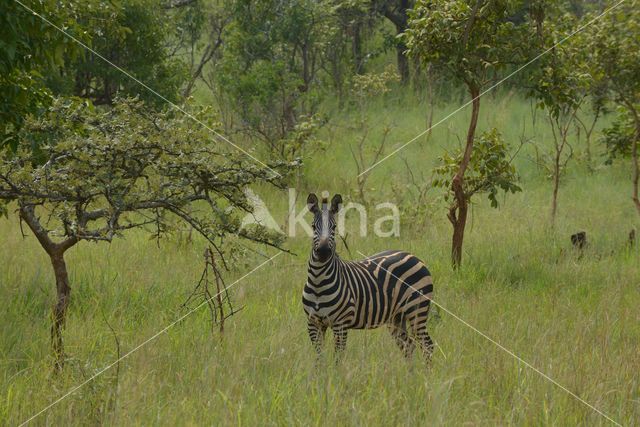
392	287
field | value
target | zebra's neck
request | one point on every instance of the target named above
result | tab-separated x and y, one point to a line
323	273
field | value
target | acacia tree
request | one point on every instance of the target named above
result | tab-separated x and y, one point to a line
95	173
471	39
615	65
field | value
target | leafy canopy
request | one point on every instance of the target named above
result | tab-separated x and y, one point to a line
490	169
615	52
468	38
271	64
561	80
615	70
620	136
98	172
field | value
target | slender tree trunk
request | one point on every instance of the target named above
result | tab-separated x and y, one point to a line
63	295
588	152
458	217
306	79
356	46
636	168
209	51
588	132
556	186
403	63
396	12
458	213
634	156
430	102
559	141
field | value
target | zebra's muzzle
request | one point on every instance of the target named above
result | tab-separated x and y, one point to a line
323	251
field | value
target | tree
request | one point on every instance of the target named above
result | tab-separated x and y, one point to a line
365	154
354	16
38	61
471	39
561	85
615	65
201	33
271	57
96	173
396	12
588	119
621	139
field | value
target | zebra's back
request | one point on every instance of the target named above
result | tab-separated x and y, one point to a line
398	289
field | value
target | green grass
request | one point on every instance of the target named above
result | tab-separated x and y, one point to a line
574	317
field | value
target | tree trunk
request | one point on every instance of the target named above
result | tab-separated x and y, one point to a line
636	168
430	102
63	294
556	186
209	51
306	79
458	214
396	12
634	156
459	222
356	46
588	152
403	63
63	290
588	132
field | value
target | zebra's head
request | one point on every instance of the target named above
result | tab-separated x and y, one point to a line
324	225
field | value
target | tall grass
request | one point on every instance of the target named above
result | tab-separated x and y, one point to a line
574	316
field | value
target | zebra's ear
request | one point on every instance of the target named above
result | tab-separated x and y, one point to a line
335	203
312	203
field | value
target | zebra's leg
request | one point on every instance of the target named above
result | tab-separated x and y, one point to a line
340	340
316	334
402	338
425	341
419	328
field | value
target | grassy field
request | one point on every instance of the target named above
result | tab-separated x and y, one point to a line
574	317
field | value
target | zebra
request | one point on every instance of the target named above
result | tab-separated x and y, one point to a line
391	287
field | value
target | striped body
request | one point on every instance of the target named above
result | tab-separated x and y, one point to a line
392	287
366	294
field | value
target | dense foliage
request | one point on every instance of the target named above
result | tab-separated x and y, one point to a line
136	36
30	49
